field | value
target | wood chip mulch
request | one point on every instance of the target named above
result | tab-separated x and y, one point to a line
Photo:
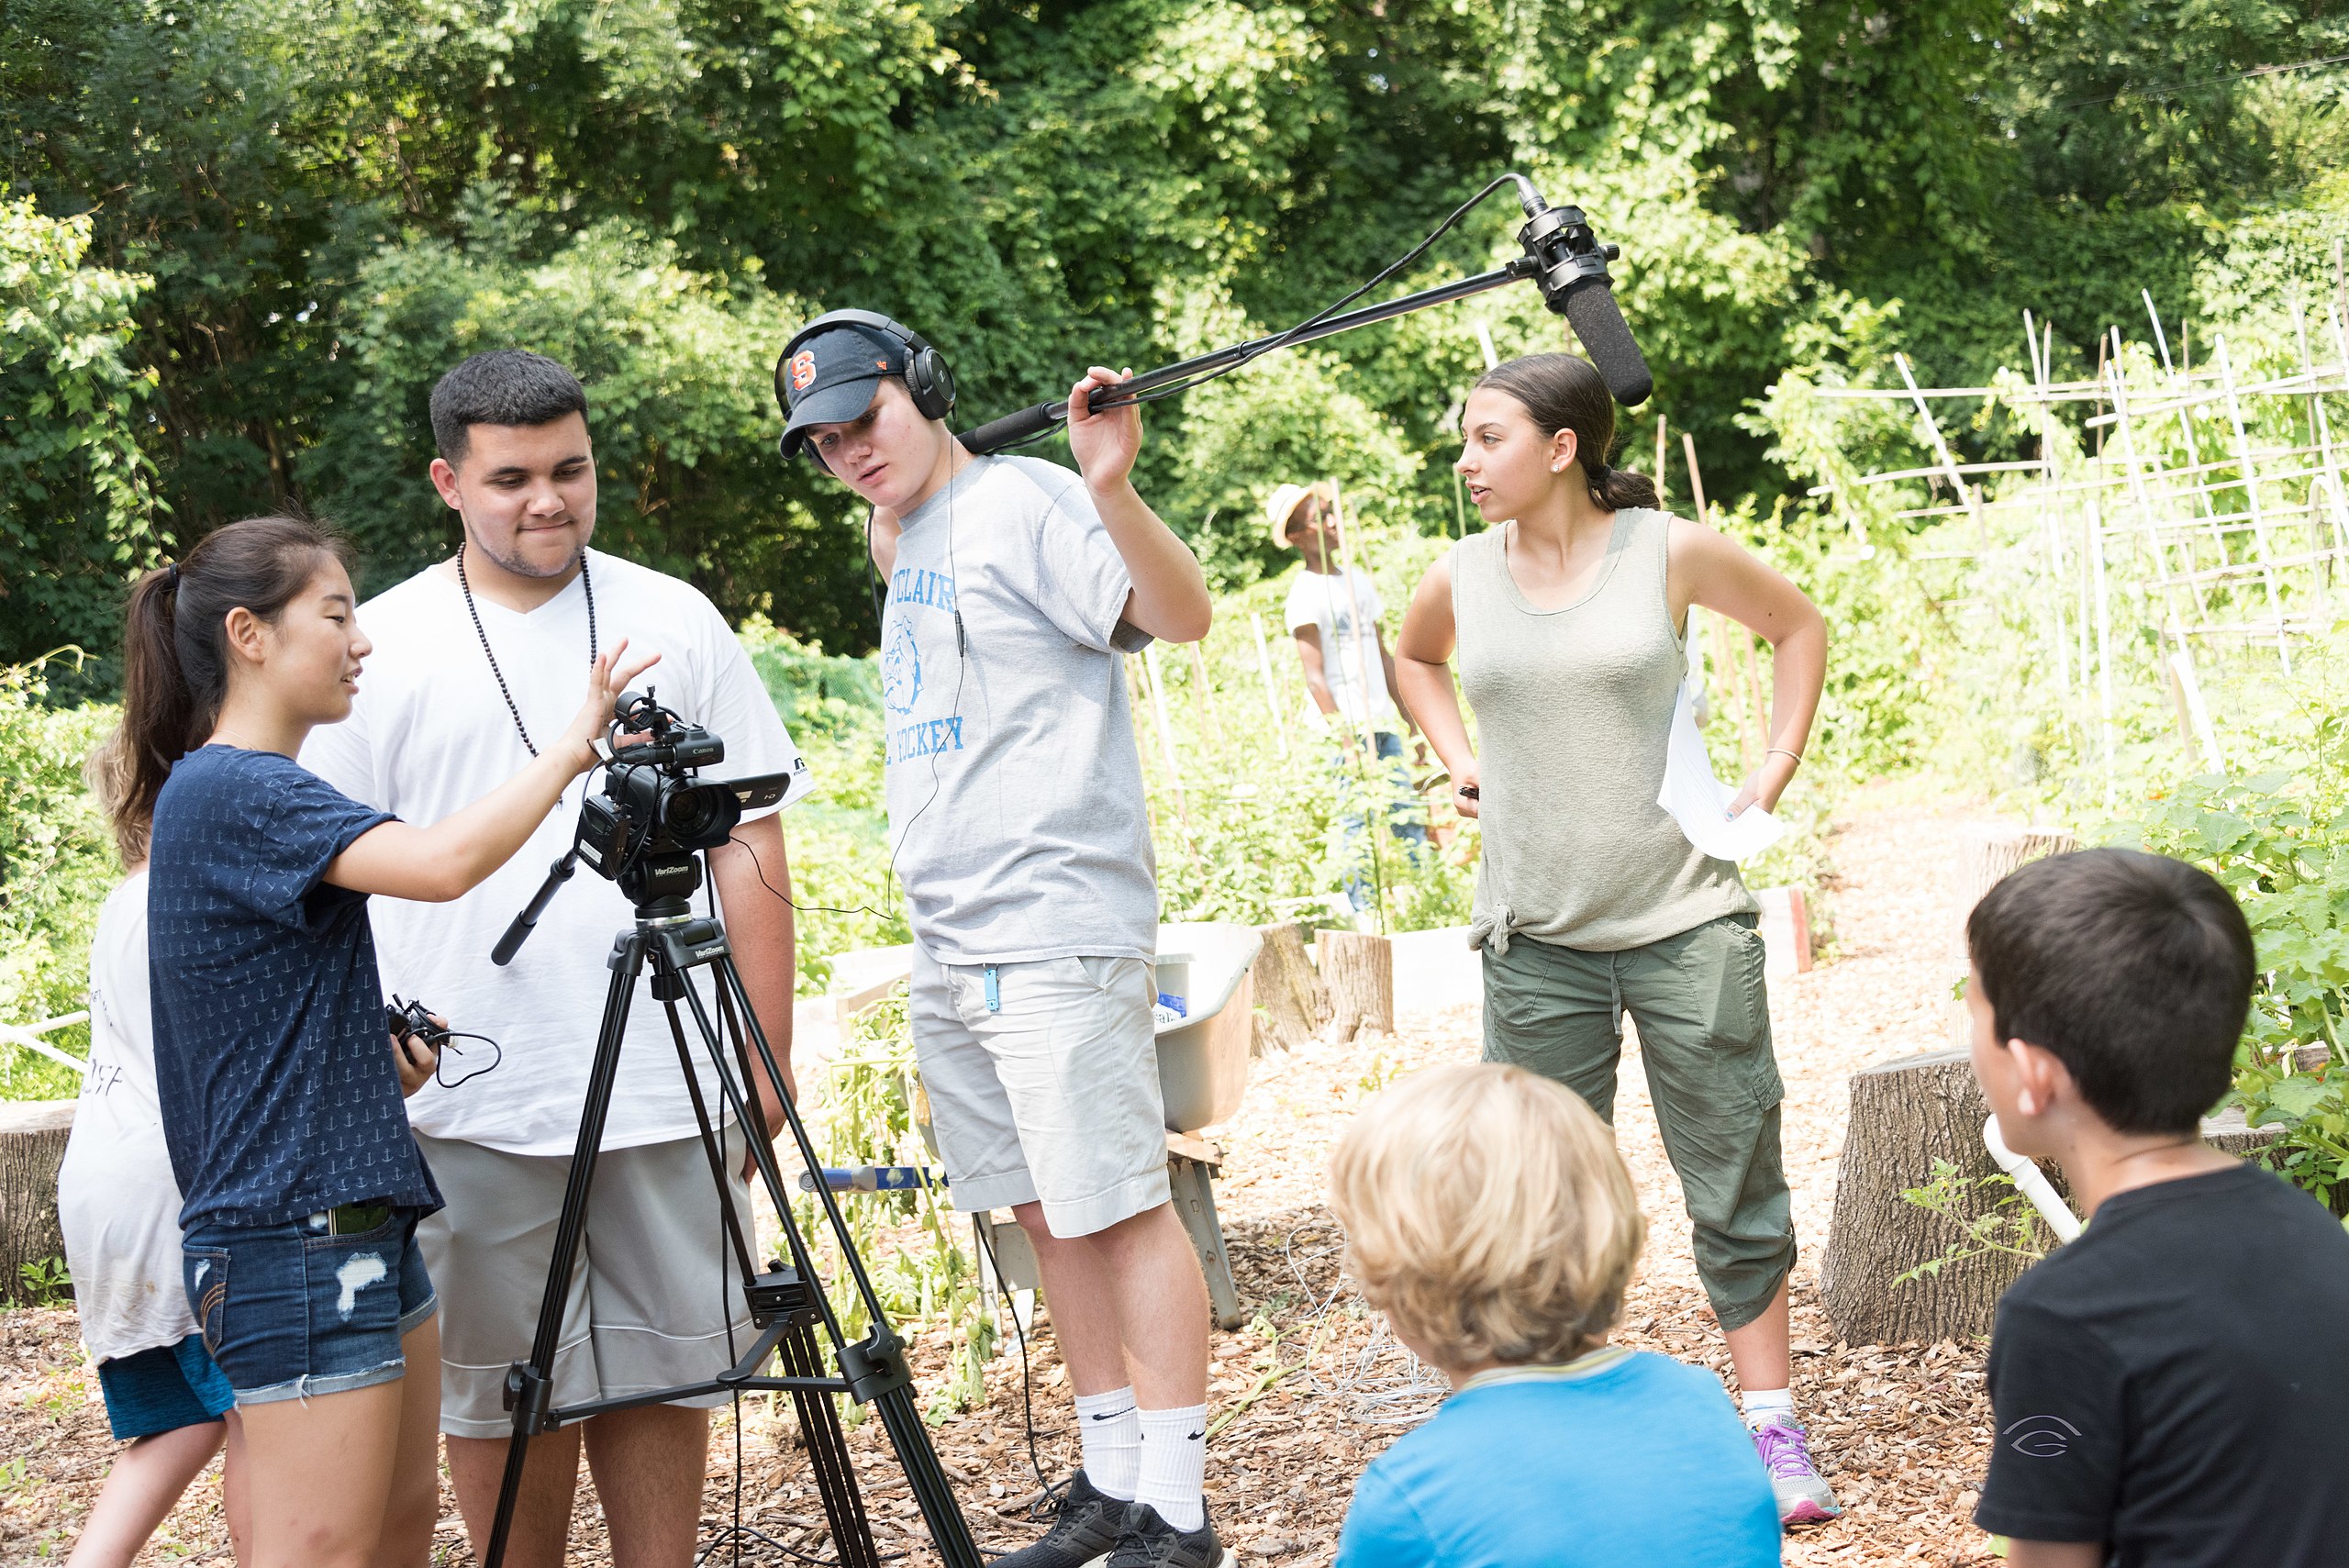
1313	1387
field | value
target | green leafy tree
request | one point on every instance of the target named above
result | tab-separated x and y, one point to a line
76	498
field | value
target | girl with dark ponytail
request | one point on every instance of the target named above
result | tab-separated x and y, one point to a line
1570	615
281	1102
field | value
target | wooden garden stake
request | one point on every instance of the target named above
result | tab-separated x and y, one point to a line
1965	492
2198	714
2149	528
1166	743
1366	658
2183	391
1271	692
1725	661
1660	423
1202	697
2324	427
2249	473
2041	376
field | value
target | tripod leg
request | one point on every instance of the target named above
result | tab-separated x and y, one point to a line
932	1492
891	1392
712	1144
827	1454
537	1380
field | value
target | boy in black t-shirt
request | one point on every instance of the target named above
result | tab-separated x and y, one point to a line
2169	1388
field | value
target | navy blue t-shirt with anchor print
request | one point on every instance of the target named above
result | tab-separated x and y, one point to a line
272	1065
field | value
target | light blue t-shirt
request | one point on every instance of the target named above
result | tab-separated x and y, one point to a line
1621	1459
1021	831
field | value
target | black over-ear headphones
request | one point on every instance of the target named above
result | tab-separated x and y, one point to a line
928	378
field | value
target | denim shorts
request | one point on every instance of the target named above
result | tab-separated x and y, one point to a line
292	1310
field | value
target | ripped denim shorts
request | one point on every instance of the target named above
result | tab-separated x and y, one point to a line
315	1305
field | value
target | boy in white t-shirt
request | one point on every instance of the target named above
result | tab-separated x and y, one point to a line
1333	612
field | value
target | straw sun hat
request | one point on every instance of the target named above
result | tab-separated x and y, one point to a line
1284	503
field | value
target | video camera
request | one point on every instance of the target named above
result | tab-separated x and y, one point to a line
648	828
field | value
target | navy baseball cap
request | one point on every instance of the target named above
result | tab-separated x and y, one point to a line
830	378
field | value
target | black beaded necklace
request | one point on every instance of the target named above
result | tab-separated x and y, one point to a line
587	584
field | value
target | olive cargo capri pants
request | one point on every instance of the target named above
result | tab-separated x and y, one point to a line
1704	1021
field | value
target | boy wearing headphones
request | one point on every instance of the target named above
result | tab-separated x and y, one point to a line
1022	840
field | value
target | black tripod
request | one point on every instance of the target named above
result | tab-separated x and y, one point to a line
786	1303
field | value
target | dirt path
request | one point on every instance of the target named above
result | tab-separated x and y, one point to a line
1314	1388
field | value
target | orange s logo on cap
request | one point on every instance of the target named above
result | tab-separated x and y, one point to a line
803	369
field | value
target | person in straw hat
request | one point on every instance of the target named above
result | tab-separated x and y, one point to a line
1333	612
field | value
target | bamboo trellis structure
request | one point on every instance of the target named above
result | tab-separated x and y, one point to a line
2203	503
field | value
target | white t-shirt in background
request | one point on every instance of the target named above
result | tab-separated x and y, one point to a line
430	734
116	1199
1344	606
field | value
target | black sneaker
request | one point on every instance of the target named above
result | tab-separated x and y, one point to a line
1151	1542
1088	1527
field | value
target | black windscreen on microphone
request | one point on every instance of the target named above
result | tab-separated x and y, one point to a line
1606	339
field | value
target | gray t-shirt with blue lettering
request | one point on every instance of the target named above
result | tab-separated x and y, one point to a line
1016	809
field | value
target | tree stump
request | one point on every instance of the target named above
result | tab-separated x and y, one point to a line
32	1145
1290	996
1905	1115
1987	851
1359	973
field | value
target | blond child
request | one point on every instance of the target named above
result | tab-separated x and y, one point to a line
1488	1216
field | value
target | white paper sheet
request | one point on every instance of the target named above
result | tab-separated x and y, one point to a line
1700	802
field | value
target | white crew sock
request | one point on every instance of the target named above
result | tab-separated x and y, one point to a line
1174	1465
1110	1432
1767	1403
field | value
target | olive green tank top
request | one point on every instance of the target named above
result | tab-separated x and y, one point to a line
1573	710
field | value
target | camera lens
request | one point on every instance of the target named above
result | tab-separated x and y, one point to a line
700	817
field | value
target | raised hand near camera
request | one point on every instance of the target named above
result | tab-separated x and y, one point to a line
458	853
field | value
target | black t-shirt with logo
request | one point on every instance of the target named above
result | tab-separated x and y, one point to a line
2175	1382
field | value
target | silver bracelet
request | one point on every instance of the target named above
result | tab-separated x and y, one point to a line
1782	751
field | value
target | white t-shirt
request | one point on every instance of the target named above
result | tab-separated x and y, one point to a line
1349	625
430	734
117	1200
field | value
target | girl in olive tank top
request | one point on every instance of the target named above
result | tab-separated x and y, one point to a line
1569	617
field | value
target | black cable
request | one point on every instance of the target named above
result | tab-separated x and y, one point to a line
771	1544
1027	1384
760	871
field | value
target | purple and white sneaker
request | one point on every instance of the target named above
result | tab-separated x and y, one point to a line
1804	1498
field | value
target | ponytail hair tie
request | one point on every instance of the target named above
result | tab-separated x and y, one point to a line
170	577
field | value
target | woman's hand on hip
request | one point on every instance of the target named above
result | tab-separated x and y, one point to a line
1465	796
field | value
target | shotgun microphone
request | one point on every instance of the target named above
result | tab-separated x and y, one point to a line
1572	274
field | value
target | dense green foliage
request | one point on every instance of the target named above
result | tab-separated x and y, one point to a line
57	863
310	206
76	512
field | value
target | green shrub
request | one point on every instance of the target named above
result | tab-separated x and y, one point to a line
57	863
